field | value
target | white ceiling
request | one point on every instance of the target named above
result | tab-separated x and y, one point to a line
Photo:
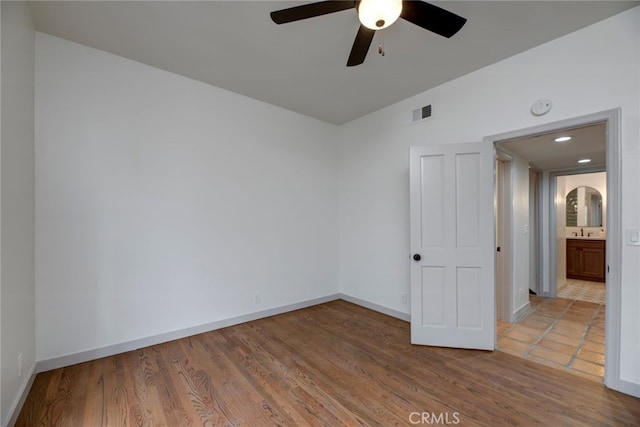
301	66
545	154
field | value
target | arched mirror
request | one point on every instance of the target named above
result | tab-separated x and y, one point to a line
584	207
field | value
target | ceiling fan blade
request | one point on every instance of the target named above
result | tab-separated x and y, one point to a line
432	18
311	10
360	46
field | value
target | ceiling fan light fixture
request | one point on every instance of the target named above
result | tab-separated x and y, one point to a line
379	14
375	15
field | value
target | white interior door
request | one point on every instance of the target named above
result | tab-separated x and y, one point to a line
452	245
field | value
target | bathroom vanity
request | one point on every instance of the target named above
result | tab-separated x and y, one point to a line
586	259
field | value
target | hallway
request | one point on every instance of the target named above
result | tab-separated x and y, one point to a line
583	290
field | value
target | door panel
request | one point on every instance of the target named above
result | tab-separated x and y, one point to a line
469	297
468	201
452	229
432	201
433	296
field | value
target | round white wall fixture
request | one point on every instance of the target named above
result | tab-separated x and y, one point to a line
541	107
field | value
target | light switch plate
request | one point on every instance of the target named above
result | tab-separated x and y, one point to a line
633	236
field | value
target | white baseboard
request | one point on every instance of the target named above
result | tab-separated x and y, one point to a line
628	387
521	312
376	307
85	356
15	409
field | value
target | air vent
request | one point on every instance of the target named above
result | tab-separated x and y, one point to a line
421	113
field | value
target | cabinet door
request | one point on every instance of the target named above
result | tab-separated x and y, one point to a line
586	259
593	263
573	261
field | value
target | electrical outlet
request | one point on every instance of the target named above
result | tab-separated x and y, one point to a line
403	298
257	298
521	294
20	365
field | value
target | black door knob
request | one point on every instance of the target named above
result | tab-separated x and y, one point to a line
417	257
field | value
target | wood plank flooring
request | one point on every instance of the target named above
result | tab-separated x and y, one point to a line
335	364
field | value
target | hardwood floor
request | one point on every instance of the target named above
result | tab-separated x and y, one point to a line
333	364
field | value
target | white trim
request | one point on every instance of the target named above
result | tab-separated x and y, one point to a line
614	252
376	307
14	411
97	353
521	312
505	215
629	388
614	226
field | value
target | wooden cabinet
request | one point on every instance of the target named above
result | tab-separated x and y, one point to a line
586	259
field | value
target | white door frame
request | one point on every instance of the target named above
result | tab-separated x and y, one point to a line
535	231
504	277
612	118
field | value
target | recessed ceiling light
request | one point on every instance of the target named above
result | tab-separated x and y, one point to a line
584	160
562	139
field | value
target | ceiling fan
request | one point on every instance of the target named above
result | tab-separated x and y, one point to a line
375	15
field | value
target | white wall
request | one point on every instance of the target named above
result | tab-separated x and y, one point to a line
591	70
17	333
164	203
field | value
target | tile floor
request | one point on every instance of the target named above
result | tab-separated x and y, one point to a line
583	291
566	334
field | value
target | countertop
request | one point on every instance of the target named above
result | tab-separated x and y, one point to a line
587	237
